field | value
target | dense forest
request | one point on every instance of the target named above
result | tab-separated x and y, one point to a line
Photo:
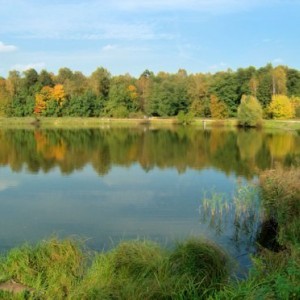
71	93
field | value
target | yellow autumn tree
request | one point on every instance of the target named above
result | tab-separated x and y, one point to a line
48	98
218	108
58	93
4	96
296	103
133	95
281	107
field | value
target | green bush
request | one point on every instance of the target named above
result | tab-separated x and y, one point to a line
204	262
185	119
249	112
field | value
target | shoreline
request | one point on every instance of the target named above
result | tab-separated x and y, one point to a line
77	122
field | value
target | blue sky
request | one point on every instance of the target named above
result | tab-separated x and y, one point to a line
160	35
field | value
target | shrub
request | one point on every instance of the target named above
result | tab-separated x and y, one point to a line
281	107
120	112
185	119
204	262
249	112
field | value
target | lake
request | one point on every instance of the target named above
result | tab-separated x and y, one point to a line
111	184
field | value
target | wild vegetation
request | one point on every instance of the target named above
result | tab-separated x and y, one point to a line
71	93
276	270
56	269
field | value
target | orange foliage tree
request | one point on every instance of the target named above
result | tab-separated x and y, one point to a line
47	97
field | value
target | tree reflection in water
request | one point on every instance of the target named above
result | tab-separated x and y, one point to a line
239	152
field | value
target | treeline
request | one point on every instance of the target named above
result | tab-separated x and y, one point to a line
71	93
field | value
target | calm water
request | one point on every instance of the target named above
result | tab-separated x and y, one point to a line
112	184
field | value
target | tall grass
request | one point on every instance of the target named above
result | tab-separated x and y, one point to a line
133	270
275	275
281	198
51	268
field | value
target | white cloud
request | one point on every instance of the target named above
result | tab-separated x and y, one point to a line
103	20
6	184
109	47
23	67
277	60
213	6
219	66
7	48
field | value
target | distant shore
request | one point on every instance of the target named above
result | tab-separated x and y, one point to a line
75	122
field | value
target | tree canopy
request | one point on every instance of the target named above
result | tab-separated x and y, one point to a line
71	93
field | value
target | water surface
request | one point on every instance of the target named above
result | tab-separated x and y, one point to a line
112	184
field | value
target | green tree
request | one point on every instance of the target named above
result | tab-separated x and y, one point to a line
264	89
144	87
225	86
99	82
249	112
244	76
77	85
46	79
85	105
293	82
22	105
168	96
198	94
64	74
122	98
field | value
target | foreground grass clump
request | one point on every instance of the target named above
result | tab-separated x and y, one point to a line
203	262
51	269
143	270
133	270
273	276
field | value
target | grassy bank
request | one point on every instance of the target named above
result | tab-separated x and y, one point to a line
68	122
133	270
